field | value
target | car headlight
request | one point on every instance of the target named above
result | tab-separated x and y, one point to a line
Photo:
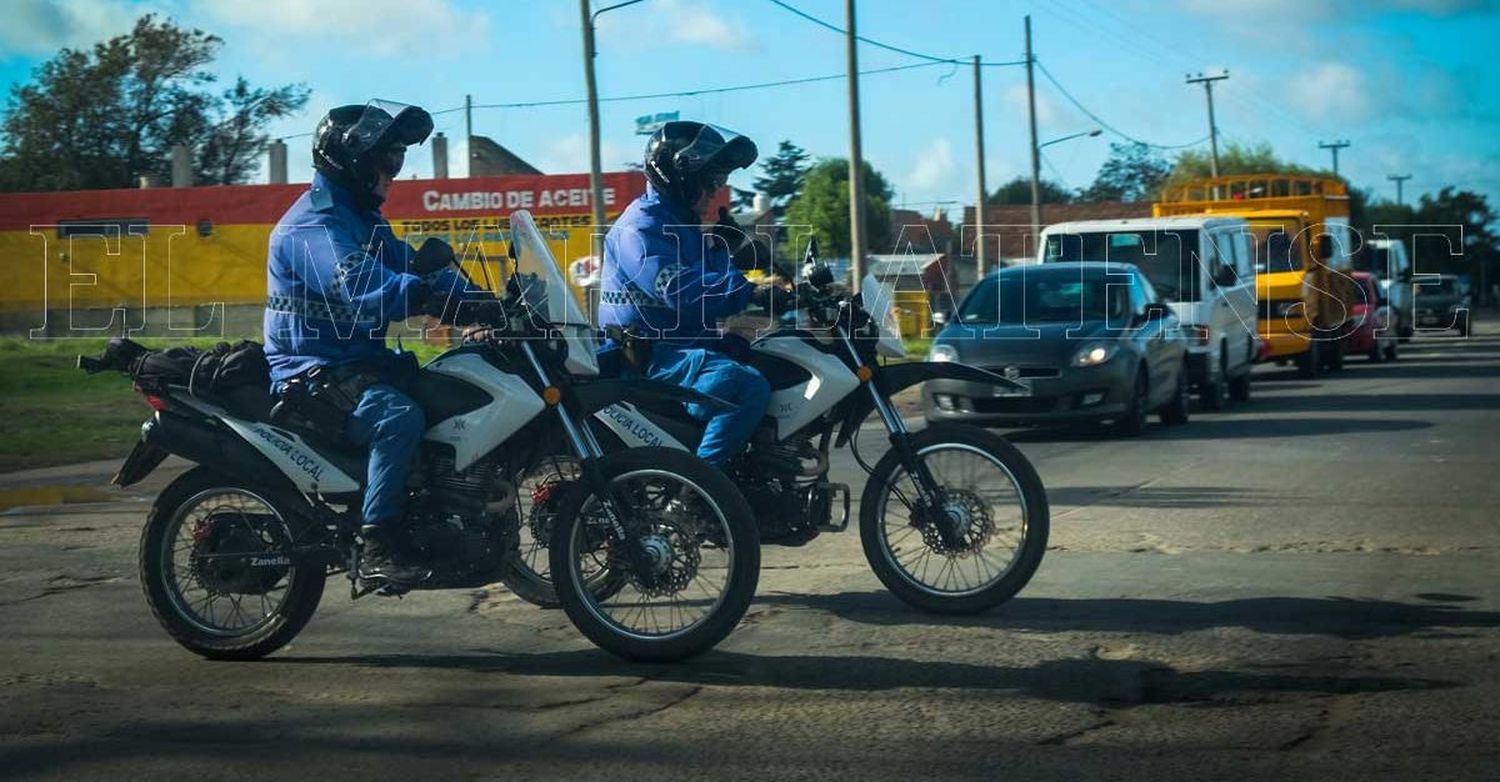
942	353
1094	354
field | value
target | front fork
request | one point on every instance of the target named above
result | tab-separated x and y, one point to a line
929	505
617	506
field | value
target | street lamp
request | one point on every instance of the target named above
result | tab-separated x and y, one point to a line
1089	133
1036	191
596	175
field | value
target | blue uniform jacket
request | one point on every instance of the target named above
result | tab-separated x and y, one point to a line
336	277
661	277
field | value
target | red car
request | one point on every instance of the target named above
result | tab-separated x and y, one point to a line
1375	331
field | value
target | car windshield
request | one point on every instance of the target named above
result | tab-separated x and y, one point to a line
1276	250
1031	295
1446	286
1169	259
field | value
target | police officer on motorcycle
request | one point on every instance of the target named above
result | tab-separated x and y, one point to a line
337	277
665	282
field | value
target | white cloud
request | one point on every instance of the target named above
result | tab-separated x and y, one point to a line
689	22
427	28
570	155
1329	91
933	167
41	27
1015	101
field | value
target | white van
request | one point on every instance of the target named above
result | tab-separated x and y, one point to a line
1204	266
1390	264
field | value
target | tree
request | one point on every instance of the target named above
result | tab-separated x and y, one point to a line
780	179
1131	173
105	117
1018	191
1234	158
823	205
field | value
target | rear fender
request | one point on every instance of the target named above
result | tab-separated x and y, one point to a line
143	459
893	378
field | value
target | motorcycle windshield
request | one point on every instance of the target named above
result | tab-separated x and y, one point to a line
879	300
386	123
536	281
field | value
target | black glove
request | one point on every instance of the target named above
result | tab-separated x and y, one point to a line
434	254
727	229
774	299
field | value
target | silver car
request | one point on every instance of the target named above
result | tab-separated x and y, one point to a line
1089	341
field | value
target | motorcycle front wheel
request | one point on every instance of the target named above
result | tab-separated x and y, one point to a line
1000	506
699	536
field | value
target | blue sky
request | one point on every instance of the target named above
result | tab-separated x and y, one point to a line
1412	84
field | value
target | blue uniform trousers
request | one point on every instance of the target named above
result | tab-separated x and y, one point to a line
390	424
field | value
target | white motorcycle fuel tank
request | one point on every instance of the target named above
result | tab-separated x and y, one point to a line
828	382
477	432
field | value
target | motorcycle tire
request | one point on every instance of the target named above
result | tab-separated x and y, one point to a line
1035	515
304	588
743	569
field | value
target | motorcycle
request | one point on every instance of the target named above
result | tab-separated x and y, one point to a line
953	518
235	552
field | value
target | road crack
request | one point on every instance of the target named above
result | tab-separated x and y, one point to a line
633	715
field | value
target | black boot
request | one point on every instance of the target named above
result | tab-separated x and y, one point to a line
382	559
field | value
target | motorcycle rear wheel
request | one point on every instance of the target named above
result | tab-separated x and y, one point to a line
256	524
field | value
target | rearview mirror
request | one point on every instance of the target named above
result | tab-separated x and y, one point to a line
939	318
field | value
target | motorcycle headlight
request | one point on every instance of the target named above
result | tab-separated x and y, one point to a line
1094	354
942	353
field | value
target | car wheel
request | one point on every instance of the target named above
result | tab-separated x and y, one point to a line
1175	411
1310	361
1463	327
1133	421
1214	394
1239	387
1334	357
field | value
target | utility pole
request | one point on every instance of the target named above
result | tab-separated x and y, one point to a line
979	167
1334	147
1399	179
469	134
1213	127
1036	151
856	157
596	175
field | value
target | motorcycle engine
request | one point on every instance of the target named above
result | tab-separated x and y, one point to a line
777	480
455	527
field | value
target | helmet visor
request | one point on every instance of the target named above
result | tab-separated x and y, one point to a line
717	150
387	124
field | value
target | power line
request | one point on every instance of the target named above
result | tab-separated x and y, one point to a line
691	93
881	45
1096	118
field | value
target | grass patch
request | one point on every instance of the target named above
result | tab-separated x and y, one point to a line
52	413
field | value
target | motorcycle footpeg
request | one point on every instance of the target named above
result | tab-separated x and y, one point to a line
836	492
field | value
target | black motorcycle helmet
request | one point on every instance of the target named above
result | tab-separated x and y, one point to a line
687	160
355	144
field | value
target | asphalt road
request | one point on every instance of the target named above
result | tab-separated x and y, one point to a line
1304	586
